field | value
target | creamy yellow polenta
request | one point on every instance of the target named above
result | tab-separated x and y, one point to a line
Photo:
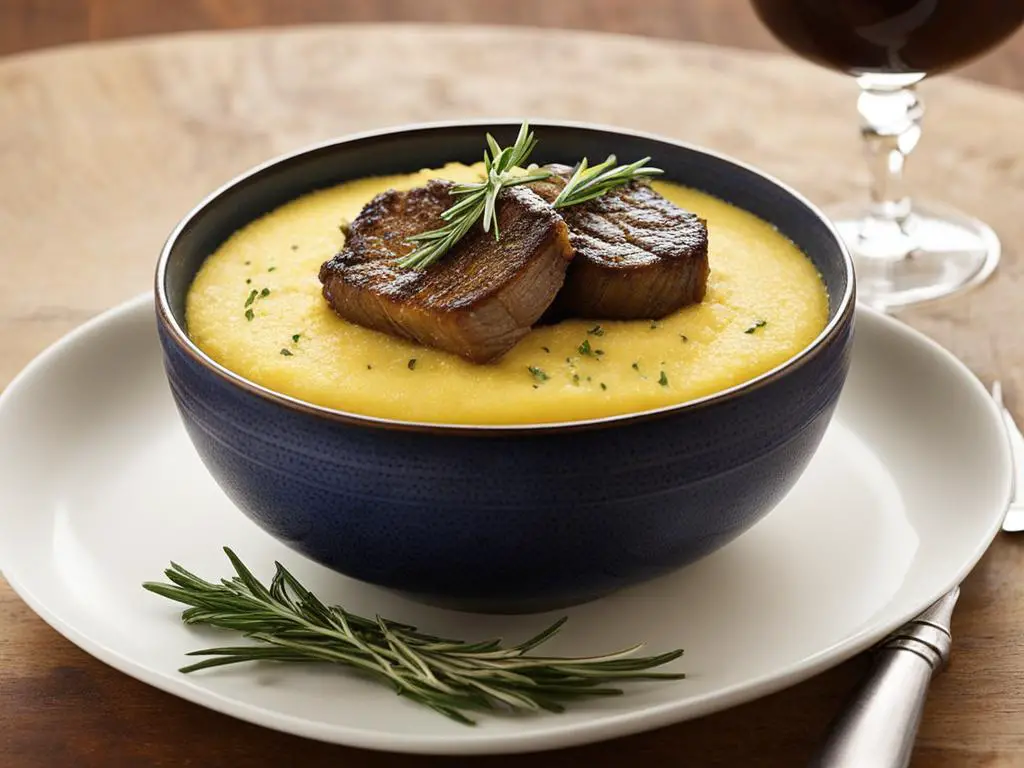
256	308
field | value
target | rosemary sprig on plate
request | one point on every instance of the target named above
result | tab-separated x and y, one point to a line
290	624
476	199
589	182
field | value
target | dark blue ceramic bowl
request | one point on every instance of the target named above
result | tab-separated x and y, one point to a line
504	518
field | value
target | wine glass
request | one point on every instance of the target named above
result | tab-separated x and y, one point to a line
905	251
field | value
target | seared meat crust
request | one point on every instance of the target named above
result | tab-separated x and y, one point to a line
479	300
638	256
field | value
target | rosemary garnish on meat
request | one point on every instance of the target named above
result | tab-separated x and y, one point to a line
588	183
476	199
504	167
290	624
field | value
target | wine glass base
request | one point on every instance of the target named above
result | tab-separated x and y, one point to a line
934	252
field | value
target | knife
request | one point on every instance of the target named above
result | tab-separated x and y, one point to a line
877	727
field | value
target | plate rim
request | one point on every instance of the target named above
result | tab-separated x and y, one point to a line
604	727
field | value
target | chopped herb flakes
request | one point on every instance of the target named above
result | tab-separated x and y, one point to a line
597	330
537	373
253	295
248	281
411	365
755	326
576	379
295	247
603	385
584	348
369	367
296	337
655	324
248	263
271	269
684	337
548	351
663	379
636	366
286	352
536	386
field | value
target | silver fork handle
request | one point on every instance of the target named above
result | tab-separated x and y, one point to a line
878	725
1014	520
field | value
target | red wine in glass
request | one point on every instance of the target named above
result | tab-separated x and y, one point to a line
905	251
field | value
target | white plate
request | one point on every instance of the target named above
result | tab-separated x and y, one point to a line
100	488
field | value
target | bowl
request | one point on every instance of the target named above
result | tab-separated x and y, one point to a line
509	518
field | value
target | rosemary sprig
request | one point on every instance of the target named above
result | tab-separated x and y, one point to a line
589	182
479	199
476	199
453	677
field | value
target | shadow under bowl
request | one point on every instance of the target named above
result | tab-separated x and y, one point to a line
504	519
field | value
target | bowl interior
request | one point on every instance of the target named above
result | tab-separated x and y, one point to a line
403	150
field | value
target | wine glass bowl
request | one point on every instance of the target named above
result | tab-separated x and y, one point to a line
906	251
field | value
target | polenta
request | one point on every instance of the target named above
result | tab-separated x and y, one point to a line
256	308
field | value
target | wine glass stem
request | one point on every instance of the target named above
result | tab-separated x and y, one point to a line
891	113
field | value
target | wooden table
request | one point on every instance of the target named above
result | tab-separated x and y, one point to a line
58	706
29	24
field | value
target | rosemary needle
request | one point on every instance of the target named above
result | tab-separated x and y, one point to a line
290	624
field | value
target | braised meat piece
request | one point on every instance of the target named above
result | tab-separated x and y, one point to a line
638	256
477	301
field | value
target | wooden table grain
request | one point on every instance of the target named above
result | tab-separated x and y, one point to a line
60	707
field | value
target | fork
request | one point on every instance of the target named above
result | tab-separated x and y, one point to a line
878	726
1014	520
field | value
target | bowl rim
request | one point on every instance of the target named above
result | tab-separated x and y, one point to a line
842	316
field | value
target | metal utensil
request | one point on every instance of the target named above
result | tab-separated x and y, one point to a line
878	726
1014	520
